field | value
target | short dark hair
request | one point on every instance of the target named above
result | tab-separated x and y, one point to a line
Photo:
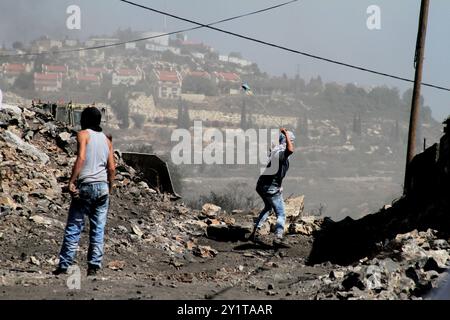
91	118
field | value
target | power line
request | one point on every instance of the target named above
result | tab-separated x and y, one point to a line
151	37
283	47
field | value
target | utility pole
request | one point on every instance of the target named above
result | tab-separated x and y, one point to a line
415	105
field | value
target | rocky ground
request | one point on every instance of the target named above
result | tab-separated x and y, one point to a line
160	249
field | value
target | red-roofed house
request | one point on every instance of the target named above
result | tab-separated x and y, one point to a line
88	79
98	71
128	77
12	70
199	74
62	70
168	84
228	82
47	82
228	76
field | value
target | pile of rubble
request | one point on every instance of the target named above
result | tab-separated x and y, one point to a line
407	267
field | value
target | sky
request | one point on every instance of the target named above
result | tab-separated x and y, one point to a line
329	28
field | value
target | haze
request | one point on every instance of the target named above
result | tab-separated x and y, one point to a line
334	29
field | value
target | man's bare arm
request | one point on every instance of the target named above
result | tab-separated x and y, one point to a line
289	144
82	141
111	166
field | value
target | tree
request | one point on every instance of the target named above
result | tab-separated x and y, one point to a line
299	84
315	85
343	131
235	55
384	97
138	120
17	45
302	130
353	91
332	92
24	82
183	120
119	103
199	85
395	132
357	129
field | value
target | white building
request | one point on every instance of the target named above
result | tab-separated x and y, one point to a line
235	60
70	43
223	58
168	84
101	42
239	61
198	55
158	38
130	46
128	77
155	47
46	44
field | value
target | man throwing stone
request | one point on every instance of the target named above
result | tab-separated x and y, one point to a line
269	186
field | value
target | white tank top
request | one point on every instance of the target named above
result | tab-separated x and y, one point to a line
97	152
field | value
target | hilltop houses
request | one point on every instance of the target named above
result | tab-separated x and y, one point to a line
48	82
62	70
168	84
127	77
161	73
10	71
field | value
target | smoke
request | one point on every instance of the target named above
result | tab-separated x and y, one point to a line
25	20
443	292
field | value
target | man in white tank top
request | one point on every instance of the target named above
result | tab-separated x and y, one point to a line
90	186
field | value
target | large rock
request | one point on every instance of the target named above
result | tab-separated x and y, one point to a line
194	227
440	256
25	147
211	210
7	201
204	251
305	226
293	208
65	141
47	221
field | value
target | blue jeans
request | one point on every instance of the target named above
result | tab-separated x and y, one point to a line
93	201
272	201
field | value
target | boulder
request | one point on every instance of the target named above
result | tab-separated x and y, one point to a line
25	147
294	208
440	256
352	279
301	228
204	251
47	221
211	210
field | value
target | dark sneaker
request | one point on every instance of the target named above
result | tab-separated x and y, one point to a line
92	271
280	242
255	236
59	271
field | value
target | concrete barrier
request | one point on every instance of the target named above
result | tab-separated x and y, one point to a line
155	170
